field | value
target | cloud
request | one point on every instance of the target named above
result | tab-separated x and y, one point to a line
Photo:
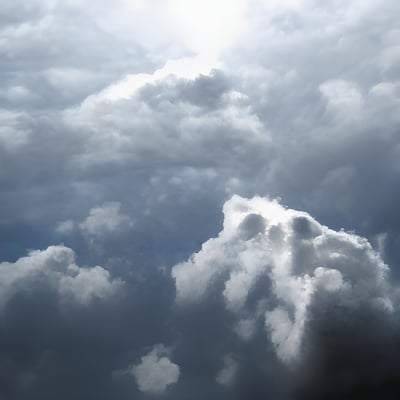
130	142
56	267
105	219
269	125
155	372
307	265
343	98
73	315
226	375
89	284
277	282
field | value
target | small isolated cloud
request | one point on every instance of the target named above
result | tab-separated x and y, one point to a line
306	266
102	221
105	219
155	372
227	374
245	328
65	227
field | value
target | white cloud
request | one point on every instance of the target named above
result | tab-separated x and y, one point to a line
105	219
155	372
57	268
306	263
102	223
88	284
170	111
188	68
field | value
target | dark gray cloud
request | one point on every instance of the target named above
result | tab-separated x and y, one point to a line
123	132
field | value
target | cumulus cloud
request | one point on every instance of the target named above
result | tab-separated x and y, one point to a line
57	268
307	265
104	227
155	372
105	219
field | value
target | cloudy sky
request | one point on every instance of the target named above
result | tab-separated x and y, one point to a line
199	199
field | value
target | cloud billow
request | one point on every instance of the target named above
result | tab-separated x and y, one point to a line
126	128
327	302
155	372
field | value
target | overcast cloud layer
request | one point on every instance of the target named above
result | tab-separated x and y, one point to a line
199	199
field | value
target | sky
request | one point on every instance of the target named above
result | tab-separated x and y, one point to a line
199	199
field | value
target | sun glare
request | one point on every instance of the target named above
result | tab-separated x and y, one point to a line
207	26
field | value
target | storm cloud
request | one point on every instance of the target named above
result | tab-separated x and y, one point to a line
199	199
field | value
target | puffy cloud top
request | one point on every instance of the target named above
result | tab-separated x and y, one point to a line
307	265
56	267
155	372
